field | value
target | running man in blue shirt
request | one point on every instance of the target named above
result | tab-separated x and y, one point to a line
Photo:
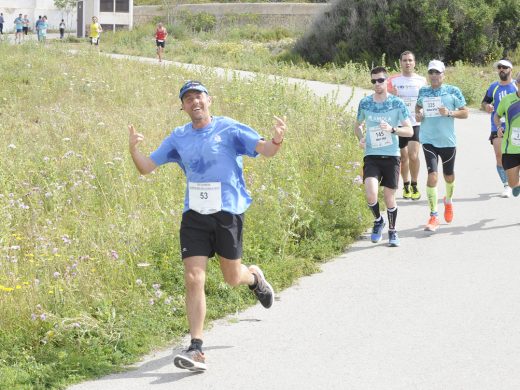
377	129
209	150
18	25
437	106
494	94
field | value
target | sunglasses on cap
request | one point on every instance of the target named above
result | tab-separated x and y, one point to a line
380	81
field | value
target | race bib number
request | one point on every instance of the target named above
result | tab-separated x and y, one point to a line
410	103
379	138
94	40
205	198
160	40
515	136
431	106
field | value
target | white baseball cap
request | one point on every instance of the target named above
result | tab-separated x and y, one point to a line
436	65
504	62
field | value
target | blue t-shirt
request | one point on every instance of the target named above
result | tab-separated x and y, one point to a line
439	131
494	94
18	23
394	112
43	28
212	154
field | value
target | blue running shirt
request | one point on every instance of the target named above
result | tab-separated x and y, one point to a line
212	154
437	130
394	112
494	94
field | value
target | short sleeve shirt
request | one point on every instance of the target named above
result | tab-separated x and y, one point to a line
437	130
213	154
394	112
18	23
509	107
494	94
407	88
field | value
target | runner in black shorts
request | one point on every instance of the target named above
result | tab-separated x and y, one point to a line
215	201
376	128
406	85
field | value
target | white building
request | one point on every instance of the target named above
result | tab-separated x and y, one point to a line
112	14
34	8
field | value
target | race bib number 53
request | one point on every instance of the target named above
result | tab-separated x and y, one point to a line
205	198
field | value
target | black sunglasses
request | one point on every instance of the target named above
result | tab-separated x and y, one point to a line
380	81
433	71
502	67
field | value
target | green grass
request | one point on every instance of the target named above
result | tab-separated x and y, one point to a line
90	272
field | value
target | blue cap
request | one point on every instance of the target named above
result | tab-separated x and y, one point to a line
192	85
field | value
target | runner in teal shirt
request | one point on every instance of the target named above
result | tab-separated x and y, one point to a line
376	128
437	106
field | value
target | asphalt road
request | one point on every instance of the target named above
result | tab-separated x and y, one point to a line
439	312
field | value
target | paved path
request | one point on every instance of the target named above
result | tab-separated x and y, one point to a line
439	312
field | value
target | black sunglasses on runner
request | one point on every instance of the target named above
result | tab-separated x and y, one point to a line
433	71
380	81
502	67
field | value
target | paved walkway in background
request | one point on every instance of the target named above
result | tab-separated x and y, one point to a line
439	312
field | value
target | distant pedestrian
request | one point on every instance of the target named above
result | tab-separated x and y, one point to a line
384	118
62	29
494	94
437	106
26	23
509	108
95	31
2	21
160	40
18	26
37	27
43	29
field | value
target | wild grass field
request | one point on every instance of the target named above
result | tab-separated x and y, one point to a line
90	272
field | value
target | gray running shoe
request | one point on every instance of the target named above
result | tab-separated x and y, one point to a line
264	291
190	359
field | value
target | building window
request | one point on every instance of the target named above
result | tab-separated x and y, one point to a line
122	5
107	27
106	5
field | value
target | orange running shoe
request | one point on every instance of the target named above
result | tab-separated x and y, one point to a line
433	224
448	211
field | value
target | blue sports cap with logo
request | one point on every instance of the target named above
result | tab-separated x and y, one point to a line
192	85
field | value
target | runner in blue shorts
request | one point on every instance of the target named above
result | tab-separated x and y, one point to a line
209	150
18	26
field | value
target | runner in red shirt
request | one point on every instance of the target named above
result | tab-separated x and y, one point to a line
160	40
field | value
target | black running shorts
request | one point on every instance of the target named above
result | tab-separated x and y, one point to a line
207	234
403	141
447	155
384	168
510	161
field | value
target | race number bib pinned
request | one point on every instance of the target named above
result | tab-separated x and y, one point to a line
379	138
515	136
94	40
410	103
431	106
205	198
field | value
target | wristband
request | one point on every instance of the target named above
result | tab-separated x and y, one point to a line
276	143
